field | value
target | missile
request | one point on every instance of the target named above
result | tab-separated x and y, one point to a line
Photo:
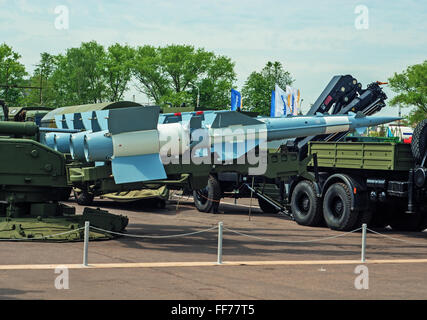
134	138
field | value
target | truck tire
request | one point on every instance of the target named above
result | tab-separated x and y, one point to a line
266	207
83	198
337	208
419	141
208	199
305	205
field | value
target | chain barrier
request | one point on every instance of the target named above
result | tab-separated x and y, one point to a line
396	239
288	241
44	237
155	237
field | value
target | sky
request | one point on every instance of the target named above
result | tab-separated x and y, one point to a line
314	40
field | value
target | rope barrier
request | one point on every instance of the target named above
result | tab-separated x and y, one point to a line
396	239
287	241
45	237
155	237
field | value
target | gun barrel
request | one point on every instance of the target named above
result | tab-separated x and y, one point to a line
18	128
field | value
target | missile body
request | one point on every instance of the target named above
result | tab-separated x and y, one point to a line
303	126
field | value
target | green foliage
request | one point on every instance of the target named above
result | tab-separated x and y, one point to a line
80	75
42	78
411	89
88	74
173	73
118	63
373	132
257	90
12	73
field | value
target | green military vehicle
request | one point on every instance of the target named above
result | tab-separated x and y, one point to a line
34	181
344	185
348	180
25	114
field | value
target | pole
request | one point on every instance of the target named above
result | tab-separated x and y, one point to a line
220	227
198	94
198	97
250	204
86	244
364	242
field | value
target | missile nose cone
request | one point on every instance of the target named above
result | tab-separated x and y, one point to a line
383	120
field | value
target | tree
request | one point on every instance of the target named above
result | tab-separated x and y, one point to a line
80	75
411	89
118	63
12	73
256	92
173	74
42	78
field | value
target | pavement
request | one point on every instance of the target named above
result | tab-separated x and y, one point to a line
313	264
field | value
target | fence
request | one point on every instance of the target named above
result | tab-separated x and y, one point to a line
221	228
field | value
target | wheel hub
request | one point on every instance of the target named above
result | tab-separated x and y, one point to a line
338	207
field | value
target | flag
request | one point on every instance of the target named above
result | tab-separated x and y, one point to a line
294	100
279	104
273	103
236	100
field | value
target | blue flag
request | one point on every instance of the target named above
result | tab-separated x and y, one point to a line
236	100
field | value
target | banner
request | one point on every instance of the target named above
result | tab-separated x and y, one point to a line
236	100
279	104
293	99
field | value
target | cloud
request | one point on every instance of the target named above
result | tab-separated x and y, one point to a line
313	40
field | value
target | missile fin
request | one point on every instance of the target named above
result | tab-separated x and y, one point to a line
225	119
60	121
78	121
87	123
94	123
138	168
69	120
359	115
133	119
102	119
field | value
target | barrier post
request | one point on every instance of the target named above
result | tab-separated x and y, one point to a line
363	258
86	243
220	228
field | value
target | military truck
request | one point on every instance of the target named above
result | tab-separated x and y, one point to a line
346	184
352	180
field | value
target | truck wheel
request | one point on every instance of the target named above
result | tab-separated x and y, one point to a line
419	141
266	207
305	205
337	208
83	198
208	199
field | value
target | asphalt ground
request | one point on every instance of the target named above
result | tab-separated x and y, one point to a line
310	266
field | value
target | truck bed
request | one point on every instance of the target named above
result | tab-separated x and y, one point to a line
388	156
